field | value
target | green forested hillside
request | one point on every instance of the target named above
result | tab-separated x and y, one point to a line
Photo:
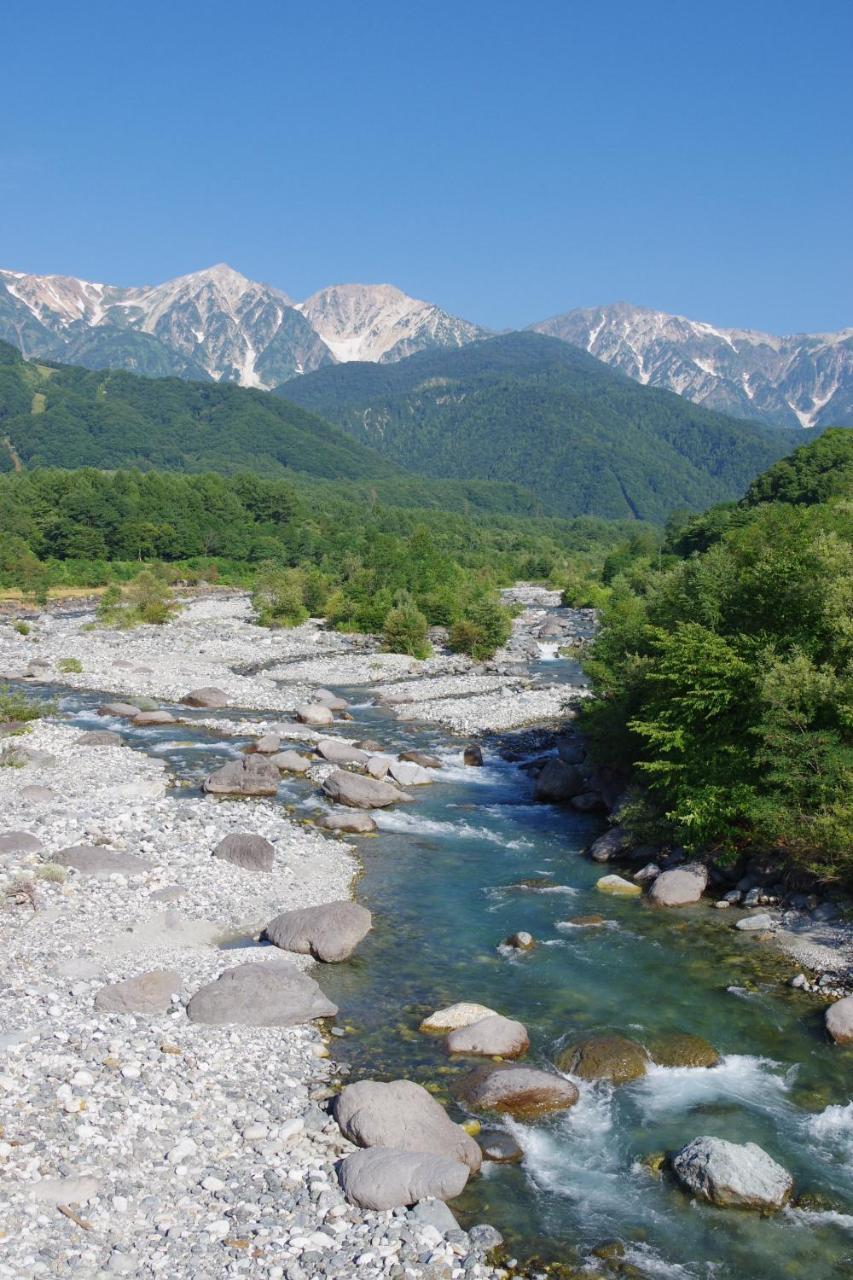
531	409
724	670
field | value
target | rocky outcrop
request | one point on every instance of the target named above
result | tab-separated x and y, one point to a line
732	1175
402	1115
361	793
252	776
387	1179
680	887
245	850
491	1037
260	995
525	1092
329	932
604	1057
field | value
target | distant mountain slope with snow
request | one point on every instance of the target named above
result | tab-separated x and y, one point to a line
803	380
218	324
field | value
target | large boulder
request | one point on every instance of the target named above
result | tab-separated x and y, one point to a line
209	696
361	793
337	751
153	718
314	713
520	1091
462	1014
20	842
122	710
610	845
243	849
290	762
732	1175
386	1179
92	860
557	782
329	932
260	995
403	1115
681	1049
839	1020
331	700
679	887
251	776
604	1057
409	774
148	993
491	1037
352	822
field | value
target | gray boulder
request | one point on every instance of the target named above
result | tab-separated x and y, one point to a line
492	1037
98	738
290	762
331	700
679	887
473	755
409	774
209	696
377	766
732	1175
557	782
403	1115
386	1179
35	794
268	745
757	923
148	993
260	995
338	752
434	1213
122	710
839	1020
92	860
520	1091
251	776
329	932
361	793
154	717
314	713
350	823
610	845
419	757
20	842
242	849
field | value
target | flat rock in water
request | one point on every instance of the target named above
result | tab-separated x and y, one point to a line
329	932
681	1049
500	1148
618	887
252	776
260	995
148	993
605	1057
20	842
361	793
98	738
409	774
420	757
154	717
520	1091
122	710
755	924
382	1178
370	745
338	752
92	860
350	823
839	1020
732	1175
403	1115
491	1037
314	713
209	696
462	1014
290	762
243	849
680	887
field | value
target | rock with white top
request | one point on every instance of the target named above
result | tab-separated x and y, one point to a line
383	1178
680	887
732	1175
618	887
462	1014
409	774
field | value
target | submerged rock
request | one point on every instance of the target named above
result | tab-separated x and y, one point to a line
732	1175
681	1049
260	995
491	1037
402	1115
680	887
329	932
604	1057
383	1178
755	924
500	1148
361	793
520	1091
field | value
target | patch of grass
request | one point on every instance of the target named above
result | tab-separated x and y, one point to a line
11	759
52	872
16	706
69	665
22	628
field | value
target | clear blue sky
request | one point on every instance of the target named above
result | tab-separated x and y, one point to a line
507	160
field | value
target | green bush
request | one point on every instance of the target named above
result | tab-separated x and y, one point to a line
145	599
405	631
22	628
278	598
485	628
69	665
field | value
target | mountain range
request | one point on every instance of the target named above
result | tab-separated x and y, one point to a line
217	325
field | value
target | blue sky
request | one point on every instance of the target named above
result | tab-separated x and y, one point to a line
507	160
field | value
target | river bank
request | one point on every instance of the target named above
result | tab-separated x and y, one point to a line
101	1097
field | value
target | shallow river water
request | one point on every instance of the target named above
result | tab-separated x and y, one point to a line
441	879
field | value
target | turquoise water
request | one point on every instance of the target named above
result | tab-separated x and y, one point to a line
442	880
